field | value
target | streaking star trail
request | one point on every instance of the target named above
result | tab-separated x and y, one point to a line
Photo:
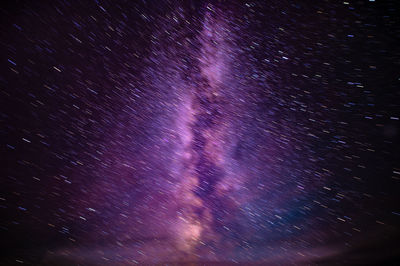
200	133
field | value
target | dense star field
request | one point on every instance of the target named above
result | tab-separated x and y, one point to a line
200	132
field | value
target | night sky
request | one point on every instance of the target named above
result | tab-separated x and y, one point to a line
200	132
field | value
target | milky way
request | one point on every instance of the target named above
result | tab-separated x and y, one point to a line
200	132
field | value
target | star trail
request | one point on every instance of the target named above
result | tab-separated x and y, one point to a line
200	132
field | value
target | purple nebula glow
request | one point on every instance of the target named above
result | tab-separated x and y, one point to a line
200	133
